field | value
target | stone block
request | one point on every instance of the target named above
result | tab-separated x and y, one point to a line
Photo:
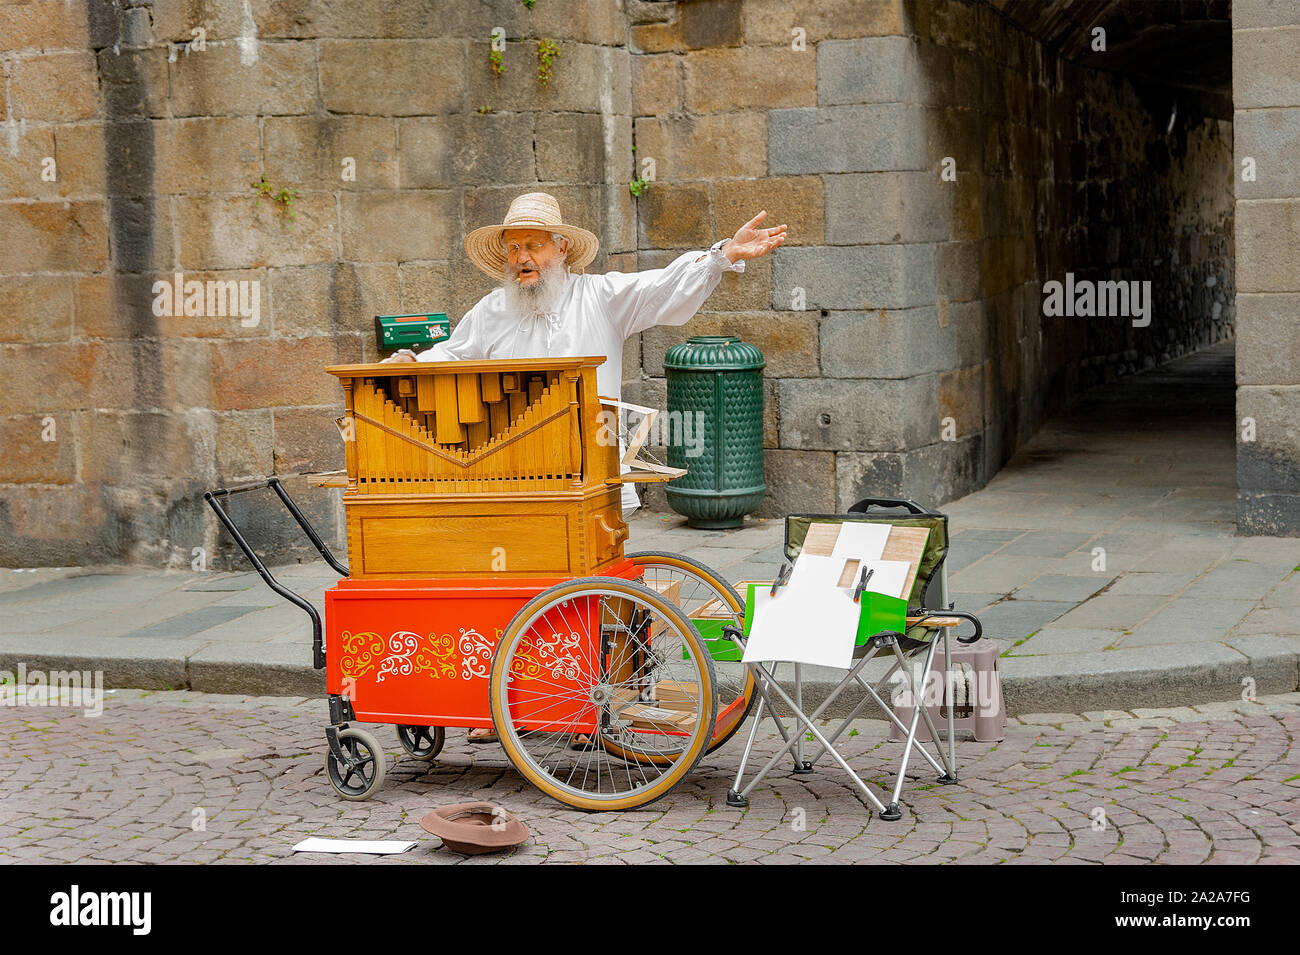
333	298
1268	245
1268	339
859	415
746	77
239	232
890	207
245	442
1271	137
392	77
130	448
970	331
59	86
961	397
958	270
570	147
22	164
142	231
858	278
772	21
307	441
49	526
795	201
861	474
281	81
885	344
79	151
584	78
38	449
675	215
309	152
53	237
788	340
889	69
426	287
36	308
1267	513
870	138
589	21
1252	14
617	226
43	26
1266	70
134	83
217	311
417	225
1272	461
209	155
280	372
957	134
709	146
656	85
797	481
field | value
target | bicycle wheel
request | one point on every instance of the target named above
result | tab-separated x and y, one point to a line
709	601
583	658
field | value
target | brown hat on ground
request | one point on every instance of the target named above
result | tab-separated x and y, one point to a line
474	828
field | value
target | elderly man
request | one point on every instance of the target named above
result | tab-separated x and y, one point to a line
547	307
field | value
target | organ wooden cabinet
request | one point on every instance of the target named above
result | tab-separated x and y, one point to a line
479	469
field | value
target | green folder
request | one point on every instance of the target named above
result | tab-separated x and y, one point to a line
879	612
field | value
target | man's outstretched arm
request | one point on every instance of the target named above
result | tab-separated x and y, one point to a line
636	301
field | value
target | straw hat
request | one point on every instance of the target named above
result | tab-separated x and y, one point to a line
468	827
534	210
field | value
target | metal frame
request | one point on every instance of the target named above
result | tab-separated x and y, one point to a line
217	498
903	648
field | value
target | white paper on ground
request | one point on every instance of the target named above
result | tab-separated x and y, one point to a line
888	576
861	540
807	622
378	848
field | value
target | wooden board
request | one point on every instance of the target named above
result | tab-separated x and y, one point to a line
907	543
821	539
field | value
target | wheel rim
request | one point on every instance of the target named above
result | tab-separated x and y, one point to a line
357	778
699	597
420	742
552	680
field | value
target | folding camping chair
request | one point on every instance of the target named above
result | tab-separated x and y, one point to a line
924	621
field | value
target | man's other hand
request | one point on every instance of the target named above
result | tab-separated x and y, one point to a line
750	241
404	355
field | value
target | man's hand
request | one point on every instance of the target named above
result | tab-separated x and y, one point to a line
404	355
750	241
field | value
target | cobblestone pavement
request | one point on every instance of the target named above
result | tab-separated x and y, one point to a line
1218	784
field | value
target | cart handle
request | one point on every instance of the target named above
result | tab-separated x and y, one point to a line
213	499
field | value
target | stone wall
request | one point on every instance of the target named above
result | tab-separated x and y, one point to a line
902	322
156	144
922	357
1266	94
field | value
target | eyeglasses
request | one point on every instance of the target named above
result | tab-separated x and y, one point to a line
532	245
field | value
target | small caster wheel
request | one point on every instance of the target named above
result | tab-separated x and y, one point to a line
355	763
736	800
421	742
947	780
892	813
803	769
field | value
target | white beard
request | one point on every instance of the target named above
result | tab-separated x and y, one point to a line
542	297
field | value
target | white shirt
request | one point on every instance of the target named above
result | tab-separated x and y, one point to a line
594	316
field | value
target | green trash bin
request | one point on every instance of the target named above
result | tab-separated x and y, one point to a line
715	429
